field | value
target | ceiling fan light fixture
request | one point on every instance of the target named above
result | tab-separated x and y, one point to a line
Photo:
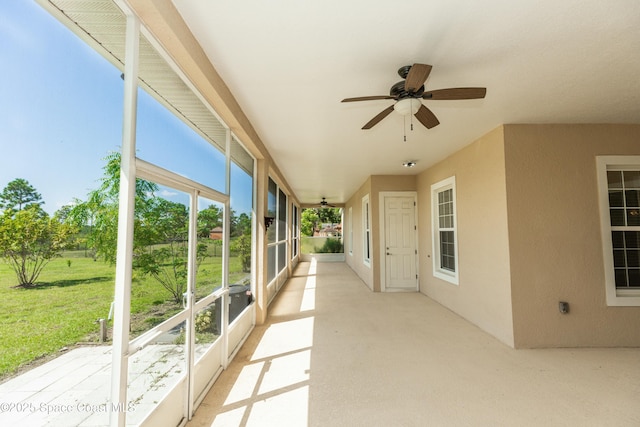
409	164
407	106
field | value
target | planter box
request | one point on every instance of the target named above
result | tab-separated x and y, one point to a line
323	257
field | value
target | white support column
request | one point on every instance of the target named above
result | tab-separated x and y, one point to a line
190	340
261	184
254	239
119	366
226	235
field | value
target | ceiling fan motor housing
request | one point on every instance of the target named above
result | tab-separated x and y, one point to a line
398	92
404	71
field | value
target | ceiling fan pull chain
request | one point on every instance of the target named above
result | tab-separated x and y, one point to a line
404	128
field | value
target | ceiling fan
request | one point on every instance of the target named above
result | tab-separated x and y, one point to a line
409	93
324	204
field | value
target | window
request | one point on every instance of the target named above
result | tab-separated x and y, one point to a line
277	231
619	185
366	231
295	240
282	230
272	205
350	231
445	235
241	214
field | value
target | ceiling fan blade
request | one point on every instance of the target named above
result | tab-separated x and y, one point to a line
418	74
384	113
367	98
426	117
456	93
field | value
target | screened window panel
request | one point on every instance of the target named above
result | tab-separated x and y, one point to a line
271	263
282	256
271	210
209	247
241	202
282	216
175	130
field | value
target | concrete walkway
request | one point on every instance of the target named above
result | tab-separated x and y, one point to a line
335	354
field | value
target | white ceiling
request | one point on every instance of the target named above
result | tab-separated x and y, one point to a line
289	64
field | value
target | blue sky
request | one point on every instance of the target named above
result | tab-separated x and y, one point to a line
61	113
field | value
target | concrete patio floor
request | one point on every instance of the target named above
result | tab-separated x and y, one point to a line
332	353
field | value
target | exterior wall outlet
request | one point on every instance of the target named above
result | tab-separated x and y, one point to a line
564	307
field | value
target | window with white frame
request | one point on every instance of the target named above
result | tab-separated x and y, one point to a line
295	231
619	185
350	231
445	234
277	231
366	231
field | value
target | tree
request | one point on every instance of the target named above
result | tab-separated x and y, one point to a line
309	221
63	213
241	225
160	241
100	211
164	255
208	219
312	219
29	239
242	245
19	194
329	215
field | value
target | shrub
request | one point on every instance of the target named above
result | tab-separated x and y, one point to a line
331	246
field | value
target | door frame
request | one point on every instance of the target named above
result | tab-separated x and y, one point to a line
382	217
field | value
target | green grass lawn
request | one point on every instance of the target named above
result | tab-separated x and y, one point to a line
63	309
59	312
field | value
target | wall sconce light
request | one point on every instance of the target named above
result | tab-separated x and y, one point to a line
268	220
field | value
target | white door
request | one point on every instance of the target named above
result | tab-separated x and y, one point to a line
400	243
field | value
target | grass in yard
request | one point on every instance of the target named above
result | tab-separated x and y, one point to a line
60	311
73	292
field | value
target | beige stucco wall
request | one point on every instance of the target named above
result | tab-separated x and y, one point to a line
555	238
483	295
354	255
